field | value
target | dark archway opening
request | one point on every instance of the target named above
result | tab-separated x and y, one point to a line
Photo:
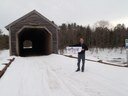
34	41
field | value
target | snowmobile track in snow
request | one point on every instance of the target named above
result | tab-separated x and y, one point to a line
55	75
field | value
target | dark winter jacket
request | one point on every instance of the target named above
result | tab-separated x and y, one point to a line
84	46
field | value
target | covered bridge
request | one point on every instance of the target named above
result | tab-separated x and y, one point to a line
33	34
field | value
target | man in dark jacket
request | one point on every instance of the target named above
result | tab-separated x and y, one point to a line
81	54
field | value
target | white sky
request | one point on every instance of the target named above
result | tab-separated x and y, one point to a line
82	12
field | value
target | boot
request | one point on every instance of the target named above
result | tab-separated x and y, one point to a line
77	70
82	70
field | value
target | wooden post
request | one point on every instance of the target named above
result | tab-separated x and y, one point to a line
127	56
126	46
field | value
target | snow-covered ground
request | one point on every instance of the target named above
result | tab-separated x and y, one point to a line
114	56
55	75
4	56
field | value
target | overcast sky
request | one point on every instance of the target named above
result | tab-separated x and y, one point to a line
82	12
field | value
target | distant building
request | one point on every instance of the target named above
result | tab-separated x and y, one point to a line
33	34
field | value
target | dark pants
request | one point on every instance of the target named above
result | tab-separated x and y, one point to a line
81	57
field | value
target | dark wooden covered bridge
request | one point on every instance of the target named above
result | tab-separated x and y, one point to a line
33	34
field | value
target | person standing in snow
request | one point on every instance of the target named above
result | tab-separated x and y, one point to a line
81	54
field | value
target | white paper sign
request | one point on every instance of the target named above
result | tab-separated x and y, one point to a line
73	50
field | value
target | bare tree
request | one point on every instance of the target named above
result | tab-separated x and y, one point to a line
102	23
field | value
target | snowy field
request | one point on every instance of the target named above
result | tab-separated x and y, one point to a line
55	75
114	56
4	55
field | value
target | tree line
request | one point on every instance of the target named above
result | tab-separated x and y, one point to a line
4	41
99	37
